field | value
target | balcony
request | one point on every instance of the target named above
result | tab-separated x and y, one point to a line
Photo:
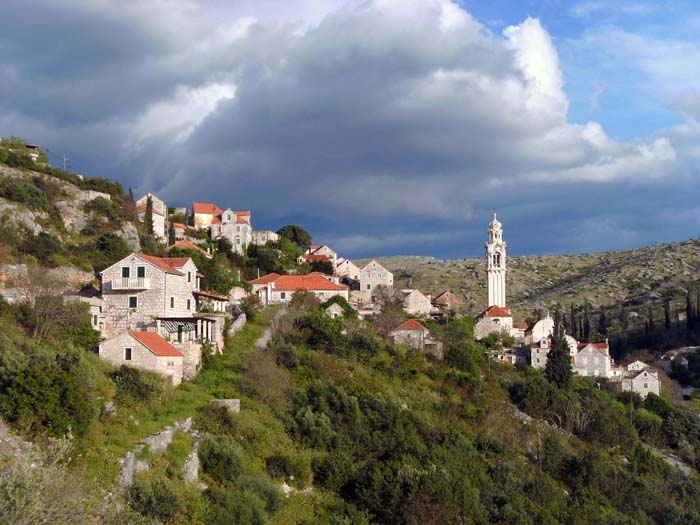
133	283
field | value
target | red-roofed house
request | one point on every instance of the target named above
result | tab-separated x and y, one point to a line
235	226
416	302
146	350
203	214
184	244
141	288
593	360
273	288
414	335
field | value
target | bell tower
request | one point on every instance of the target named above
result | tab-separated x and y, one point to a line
496	264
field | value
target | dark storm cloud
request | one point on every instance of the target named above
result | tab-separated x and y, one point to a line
386	127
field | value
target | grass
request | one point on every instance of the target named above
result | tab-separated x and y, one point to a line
110	440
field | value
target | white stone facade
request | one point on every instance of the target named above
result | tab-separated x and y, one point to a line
137	290
262	237
496	264
234	226
416	302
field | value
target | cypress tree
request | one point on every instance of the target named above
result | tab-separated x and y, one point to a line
602	324
148	219
651	318
586	324
558	367
171	234
688	312
573	322
580	329
667	314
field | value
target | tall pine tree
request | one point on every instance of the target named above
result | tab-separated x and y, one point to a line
171	234
586	324
667	313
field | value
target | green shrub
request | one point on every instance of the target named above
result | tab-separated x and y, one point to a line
215	419
46	390
24	192
221	458
134	384
333	470
156	498
228	507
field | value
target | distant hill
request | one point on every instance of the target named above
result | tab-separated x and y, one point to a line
625	282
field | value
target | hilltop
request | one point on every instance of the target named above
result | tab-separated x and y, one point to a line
622	281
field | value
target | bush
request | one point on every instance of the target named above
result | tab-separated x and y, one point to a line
156	498
221	458
215	419
25	193
229	507
333	470
134	384
46	390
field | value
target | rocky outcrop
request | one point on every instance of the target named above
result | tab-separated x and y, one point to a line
158	443
131	235
20	216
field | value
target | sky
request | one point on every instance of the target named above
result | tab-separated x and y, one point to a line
384	127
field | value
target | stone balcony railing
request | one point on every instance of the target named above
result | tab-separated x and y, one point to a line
133	283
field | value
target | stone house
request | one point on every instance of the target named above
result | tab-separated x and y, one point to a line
203	214
180	229
345	268
642	382
416	302
414	335
540	350
262	237
371	276
323	250
160	229
495	319
541	329
335	311
235	226
209	302
184	244
446	302
275	289
146	350
140	288
158	205
314	258
593	360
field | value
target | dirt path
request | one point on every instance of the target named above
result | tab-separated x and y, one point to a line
267	334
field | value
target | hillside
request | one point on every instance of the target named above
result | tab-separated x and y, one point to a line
621	281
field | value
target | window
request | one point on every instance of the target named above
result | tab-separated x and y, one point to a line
189	277
238	240
646	385
94	320
171	364
127	354
141	272
369	286
126	272
133	302
283	295
172	302
188	304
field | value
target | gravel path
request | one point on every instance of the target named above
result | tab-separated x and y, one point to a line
267	334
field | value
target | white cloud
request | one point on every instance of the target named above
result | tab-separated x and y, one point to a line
175	119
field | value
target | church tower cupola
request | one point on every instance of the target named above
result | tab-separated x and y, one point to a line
496	264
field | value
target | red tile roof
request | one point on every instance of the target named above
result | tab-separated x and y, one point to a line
521	326
270	277
496	311
206	208
312	257
211	296
412	325
156	344
184	244
601	347
312	281
176	262
163	264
